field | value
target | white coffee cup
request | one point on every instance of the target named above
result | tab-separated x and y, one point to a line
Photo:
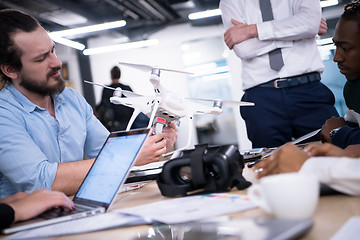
287	195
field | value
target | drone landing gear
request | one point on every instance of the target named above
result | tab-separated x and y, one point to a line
132	119
191	132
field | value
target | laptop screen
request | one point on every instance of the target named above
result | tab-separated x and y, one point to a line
111	167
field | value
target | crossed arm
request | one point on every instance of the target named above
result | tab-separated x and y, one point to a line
251	38
241	32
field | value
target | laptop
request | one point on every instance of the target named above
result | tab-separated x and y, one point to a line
100	186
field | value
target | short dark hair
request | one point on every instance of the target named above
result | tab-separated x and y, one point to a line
115	72
12	21
352	12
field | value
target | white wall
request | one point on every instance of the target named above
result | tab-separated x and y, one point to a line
69	56
167	55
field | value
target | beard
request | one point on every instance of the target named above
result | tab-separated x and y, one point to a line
41	87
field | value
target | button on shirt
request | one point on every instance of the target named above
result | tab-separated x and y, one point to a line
32	142
293	30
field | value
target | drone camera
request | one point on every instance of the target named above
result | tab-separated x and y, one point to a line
155	71
218	104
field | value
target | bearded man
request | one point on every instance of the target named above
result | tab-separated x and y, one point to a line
45	128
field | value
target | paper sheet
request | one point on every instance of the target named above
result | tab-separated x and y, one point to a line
350	230
171	211
88	224
191	208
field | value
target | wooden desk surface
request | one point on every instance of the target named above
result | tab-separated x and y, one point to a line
332	212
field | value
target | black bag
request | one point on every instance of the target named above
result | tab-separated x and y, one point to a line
203	170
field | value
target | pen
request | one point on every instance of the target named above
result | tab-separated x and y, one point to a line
251	164
296	141
131	187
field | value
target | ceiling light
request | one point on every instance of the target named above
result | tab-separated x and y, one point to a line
329	3
324	41
69	43
204	14
87	29
119	47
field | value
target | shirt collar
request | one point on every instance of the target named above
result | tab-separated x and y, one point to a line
58	100
27	104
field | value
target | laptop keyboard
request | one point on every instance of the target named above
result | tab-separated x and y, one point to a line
60	212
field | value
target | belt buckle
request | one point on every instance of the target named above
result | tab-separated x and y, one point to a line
278	80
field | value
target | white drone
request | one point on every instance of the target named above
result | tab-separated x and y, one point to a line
165	106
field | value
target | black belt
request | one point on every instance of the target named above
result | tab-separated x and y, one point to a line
292	81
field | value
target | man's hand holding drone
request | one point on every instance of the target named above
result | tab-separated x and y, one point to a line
157	145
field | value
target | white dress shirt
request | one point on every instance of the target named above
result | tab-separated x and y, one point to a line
293	30
352	116
340	173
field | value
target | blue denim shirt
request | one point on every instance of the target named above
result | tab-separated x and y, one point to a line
32	142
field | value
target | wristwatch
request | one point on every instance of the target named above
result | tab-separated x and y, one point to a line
334	131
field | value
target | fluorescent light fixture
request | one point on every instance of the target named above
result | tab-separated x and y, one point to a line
327	48
204	14
329	3
69	43
87	29
119	47
325	41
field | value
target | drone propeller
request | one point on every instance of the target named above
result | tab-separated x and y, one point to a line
100	85
226	102
148	68
125	92
237	103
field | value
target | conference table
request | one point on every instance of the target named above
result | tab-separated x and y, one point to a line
332	212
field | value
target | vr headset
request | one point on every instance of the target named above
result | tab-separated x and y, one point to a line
203	170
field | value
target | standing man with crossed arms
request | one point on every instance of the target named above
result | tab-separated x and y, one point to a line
281	67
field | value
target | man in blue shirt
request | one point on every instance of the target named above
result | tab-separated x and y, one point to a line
45	128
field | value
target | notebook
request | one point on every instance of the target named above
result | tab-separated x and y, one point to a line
104	179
